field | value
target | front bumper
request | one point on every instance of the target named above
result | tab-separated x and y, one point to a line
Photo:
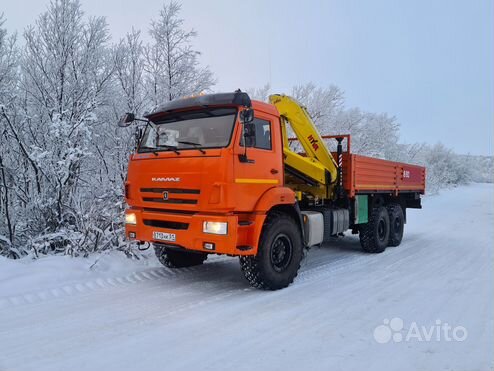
241	238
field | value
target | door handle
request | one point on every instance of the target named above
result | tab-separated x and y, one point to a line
274	171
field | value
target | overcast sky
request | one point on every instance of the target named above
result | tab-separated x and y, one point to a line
429	63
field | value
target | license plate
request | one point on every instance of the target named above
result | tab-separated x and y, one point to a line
163	236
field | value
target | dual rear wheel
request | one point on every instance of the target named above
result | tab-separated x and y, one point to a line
384	228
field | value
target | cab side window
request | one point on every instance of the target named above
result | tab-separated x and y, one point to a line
263	135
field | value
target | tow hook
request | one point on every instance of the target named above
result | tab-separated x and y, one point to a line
140	246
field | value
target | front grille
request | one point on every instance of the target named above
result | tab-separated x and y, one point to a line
169	194
169	211
166	224
170	200
172	191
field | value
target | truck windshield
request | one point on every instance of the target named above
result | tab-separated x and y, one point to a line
211	128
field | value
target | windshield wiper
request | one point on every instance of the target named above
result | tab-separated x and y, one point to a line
173	148
193	144
152	150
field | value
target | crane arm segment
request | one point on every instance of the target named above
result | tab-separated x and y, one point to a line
307	133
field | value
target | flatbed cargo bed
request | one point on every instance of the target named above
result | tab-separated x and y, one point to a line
363	175
366	175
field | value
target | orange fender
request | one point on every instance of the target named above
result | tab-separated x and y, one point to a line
275	196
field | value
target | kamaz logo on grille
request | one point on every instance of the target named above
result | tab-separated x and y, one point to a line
165	195
166	179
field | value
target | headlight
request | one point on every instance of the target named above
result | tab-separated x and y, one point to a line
130	218
215	227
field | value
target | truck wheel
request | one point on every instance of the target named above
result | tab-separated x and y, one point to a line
179	259
279	254
396	224
374	235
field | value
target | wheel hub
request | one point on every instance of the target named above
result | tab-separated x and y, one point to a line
381	230
397	224
281	252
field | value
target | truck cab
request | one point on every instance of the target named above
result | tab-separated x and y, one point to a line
196	183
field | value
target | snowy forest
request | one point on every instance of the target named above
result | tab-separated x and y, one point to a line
64	82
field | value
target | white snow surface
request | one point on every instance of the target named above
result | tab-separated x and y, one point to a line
57	313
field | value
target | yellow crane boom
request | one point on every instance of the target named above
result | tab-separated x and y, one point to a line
318	164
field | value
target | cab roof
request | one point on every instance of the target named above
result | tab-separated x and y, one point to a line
218	99
237	98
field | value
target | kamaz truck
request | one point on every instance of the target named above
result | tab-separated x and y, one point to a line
224	174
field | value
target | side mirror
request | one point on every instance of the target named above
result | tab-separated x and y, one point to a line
249	134
247	115
126	120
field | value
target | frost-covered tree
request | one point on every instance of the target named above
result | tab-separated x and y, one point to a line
128	95
8	62
261	93
444	167
8	90
372	134
129	61
376	135
480	168
65	72
62	158
323	104
172	64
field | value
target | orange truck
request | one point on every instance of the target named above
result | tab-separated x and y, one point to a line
219	174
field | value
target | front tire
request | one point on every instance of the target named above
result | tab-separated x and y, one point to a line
279	254
179	259
374	235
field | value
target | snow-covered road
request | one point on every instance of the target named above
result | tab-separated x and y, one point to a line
57	314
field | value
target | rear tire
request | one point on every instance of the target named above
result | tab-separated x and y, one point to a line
179	259
374	235
396	224
279	254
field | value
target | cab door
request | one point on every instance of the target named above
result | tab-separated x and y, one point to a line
262	168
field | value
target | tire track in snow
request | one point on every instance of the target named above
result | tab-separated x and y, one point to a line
310	270
318	269
82	288
343	263
381	281
136	325
136	277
